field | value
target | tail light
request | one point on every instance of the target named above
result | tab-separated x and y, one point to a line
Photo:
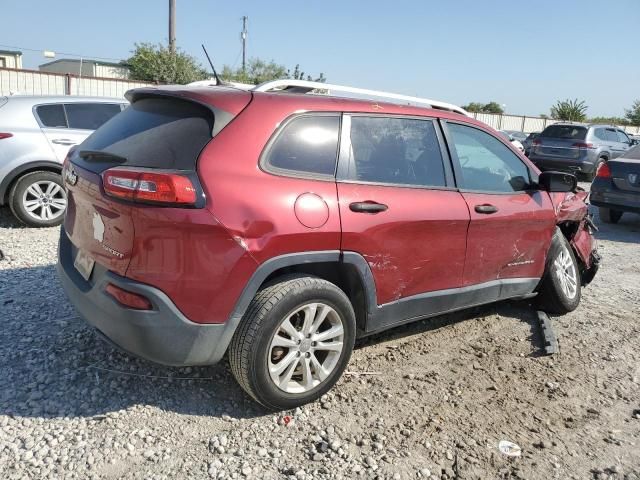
4	135
139	185
582	145
536	142
603	171
128	299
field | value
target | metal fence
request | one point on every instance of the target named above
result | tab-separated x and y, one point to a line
32	82
528	124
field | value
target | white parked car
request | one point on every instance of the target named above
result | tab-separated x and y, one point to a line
35	135
514	141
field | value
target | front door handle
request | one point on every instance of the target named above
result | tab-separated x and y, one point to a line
486	209
367	207
63	141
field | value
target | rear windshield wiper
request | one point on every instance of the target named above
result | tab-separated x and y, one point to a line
100	155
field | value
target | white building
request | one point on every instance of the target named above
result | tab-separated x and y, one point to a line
90	68
10	59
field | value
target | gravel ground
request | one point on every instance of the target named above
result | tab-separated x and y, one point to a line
429	400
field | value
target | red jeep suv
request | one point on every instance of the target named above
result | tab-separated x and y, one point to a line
278	227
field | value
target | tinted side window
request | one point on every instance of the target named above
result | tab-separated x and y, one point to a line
622	137
487	164
600	134
396	151
90	116
52	115
307	144
611	135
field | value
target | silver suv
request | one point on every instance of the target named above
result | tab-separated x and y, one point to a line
578	147
35	135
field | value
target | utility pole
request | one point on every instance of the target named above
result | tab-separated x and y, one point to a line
243	35
172	26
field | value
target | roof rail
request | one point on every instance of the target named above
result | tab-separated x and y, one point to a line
305	86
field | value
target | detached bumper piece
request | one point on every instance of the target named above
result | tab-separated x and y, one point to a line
161	334
550	340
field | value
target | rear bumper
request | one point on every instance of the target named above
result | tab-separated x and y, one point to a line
623	201
162	335
578	165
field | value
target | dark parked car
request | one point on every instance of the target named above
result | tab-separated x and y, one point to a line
278	227
616	188
578	148
529	141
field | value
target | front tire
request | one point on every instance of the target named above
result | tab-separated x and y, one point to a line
294	342
607	215
38	199
560	289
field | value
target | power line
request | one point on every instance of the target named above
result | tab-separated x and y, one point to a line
13	47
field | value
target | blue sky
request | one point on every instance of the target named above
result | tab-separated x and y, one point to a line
523	54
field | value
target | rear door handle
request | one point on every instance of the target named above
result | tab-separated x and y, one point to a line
486	209
367	207
63	141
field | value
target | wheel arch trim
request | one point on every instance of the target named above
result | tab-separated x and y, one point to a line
20	170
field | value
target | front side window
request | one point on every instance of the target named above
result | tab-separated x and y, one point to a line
307	144
622	137
486	163
52	116
90	116
398	151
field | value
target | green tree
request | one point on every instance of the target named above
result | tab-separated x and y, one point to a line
609	120
493	107
633	114
572	110
259	71
474	107
155	63
300	75
477	107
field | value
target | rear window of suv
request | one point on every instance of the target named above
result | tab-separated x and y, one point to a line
152	132
572	132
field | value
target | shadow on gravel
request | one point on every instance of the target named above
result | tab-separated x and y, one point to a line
522	310
627	230
7	220
52	364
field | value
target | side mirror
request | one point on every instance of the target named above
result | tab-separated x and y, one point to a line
557	181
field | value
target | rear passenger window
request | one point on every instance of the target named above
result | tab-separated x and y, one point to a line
52	116
90	116
487	164
611	135
601	134
307	144
398	151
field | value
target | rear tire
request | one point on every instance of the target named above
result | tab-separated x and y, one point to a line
607	215
560	288
38	199
281	360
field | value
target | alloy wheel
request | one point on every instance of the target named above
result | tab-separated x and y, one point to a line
306	348
566	273
44	200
